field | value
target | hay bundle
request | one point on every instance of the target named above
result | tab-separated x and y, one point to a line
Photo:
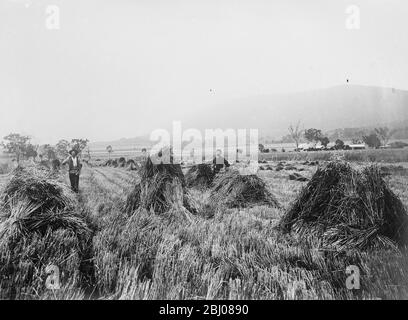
121	162
348	208
40	187
40	225
48	203
131	165
162	189
297	177
234	190
200	176
148	170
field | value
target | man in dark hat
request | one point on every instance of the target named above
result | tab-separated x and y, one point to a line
74	169
144	156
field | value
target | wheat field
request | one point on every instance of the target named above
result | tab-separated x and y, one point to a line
233	254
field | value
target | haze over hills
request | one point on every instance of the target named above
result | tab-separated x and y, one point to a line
124	143
348	106
327	109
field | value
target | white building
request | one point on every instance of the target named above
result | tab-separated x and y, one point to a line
360	146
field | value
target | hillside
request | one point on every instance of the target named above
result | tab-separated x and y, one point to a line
350	106
336	107
124	143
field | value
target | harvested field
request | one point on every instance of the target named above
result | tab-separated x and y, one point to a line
229	253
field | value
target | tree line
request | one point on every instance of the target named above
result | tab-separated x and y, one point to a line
375	139
20	147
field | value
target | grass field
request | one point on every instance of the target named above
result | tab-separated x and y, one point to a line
236	254
370	155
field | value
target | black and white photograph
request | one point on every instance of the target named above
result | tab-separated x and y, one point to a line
218	152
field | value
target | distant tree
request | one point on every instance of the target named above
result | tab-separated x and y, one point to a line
109	149
372	140
62	148
79	144
16	144
48	151
295	134
324	141
313	135
339	144
31	151
261	148
384	134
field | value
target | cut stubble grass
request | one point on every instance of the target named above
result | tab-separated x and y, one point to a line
237	253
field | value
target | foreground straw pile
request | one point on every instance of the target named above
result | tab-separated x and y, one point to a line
349	208
39	226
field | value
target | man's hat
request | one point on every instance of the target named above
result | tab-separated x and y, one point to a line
73	150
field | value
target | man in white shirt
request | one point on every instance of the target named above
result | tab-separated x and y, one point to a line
74	169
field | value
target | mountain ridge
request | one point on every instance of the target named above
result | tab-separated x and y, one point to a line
328	109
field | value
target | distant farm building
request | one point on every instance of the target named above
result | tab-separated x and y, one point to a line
360	146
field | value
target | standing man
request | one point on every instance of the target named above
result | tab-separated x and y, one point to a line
219	162
74	169
144	155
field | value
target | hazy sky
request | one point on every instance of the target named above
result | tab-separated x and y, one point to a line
119	68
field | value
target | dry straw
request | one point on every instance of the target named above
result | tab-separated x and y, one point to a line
40	225
162	190
235	190
349	208
200	176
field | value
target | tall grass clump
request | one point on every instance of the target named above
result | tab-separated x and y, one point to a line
349	209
